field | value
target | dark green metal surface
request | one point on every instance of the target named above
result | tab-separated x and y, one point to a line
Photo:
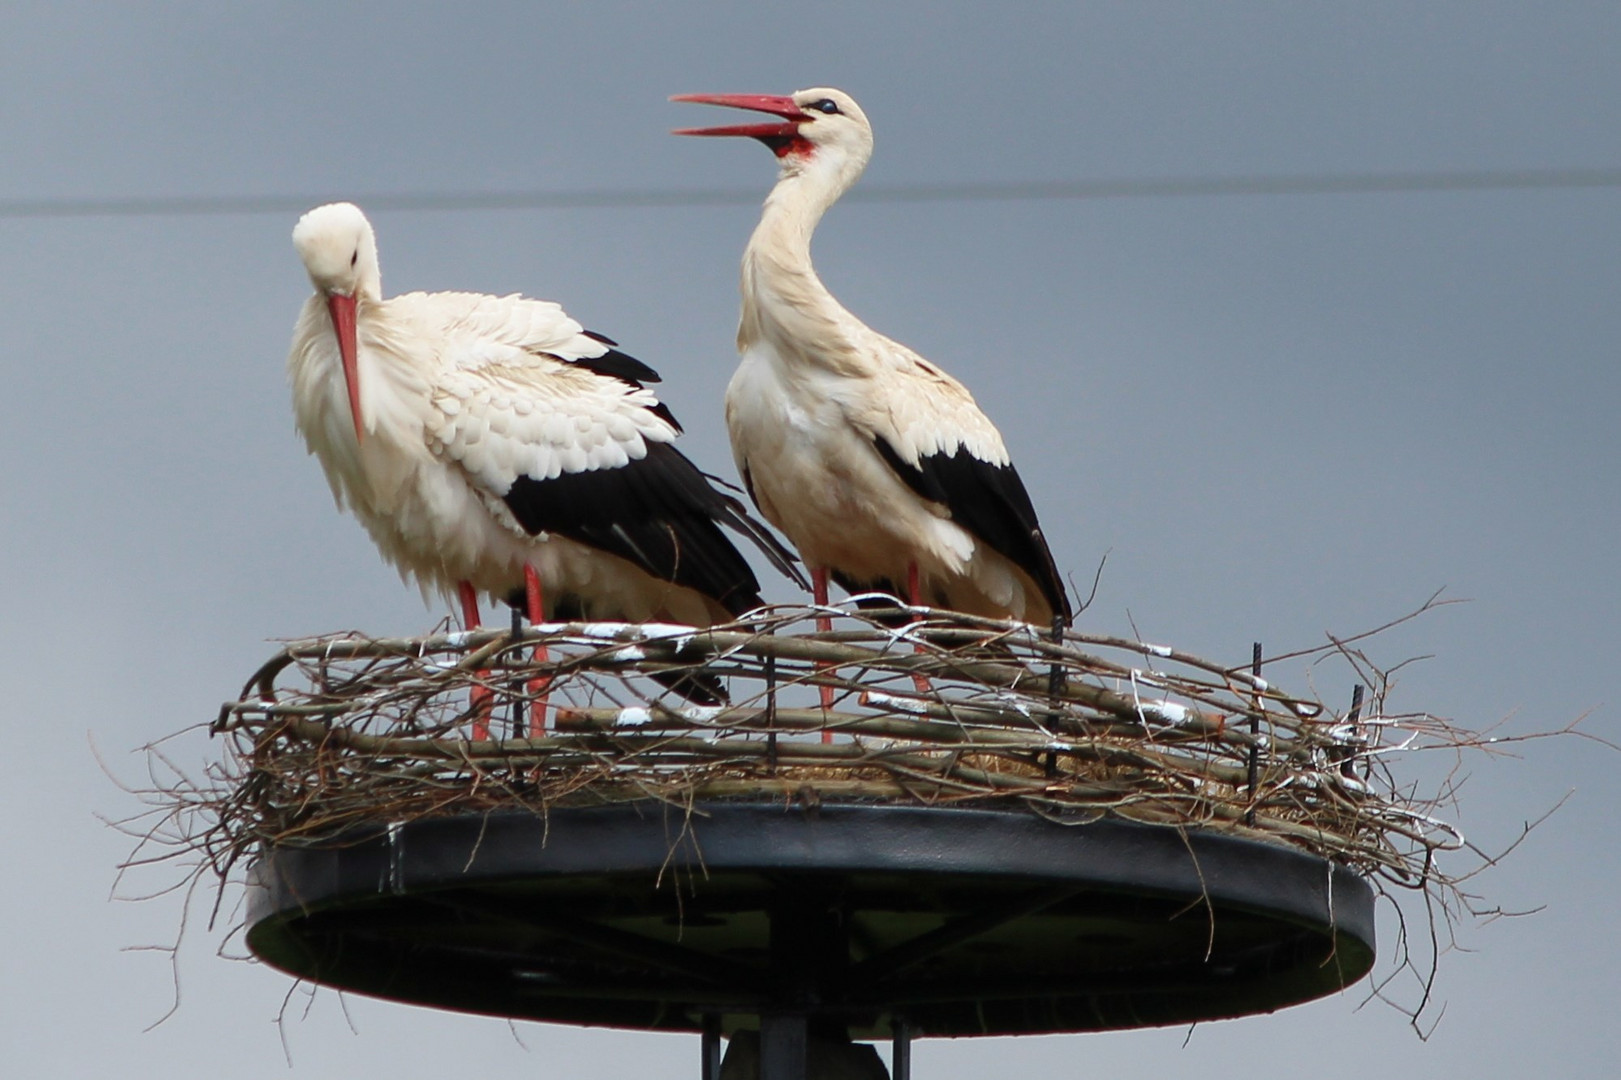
962	922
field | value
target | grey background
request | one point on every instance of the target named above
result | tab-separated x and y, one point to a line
1280	414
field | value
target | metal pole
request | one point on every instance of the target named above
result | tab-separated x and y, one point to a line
900	1052
1348	766
1255	730
1055	683
771	710
520	724
710	1054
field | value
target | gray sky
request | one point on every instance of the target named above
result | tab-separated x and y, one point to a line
1281	414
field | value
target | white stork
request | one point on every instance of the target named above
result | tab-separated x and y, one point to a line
489	444
878	466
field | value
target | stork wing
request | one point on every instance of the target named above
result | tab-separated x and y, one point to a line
488	328
585	453
658	512
936	439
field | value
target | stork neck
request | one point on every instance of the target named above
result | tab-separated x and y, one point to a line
805	189
369	285
783	298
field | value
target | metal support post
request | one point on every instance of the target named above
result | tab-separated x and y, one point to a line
784	1046
900	1053
711	1047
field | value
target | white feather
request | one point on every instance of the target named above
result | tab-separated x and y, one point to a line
460	394
816	387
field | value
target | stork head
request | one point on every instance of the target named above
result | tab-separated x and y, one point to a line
818	127
339	251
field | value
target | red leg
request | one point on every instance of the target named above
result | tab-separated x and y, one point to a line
824	623
914	596
469	599
537	687
482	698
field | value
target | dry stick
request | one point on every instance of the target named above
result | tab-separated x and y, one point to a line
1022	633
743	720
599	732
966	628
1122	717
806	649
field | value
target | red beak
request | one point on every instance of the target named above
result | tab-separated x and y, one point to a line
343	323
766	103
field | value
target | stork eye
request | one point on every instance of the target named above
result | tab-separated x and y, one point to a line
354	259
826	105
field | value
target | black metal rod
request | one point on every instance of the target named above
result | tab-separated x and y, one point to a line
1347	767
900	1051
1055	684
1255	729
519	728
710	1052
771	711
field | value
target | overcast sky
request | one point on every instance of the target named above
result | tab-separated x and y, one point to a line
1280	414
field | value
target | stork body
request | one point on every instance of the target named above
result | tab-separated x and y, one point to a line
875	463
485	440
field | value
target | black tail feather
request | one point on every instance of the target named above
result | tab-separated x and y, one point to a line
862	591
660	513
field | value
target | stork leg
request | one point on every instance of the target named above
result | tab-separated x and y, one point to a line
537	687
482	698
824	624
914	596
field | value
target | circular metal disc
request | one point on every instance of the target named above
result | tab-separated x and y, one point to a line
961	922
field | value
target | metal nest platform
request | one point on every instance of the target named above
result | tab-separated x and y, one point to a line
899	822
862	920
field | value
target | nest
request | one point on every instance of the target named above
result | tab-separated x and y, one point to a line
909	706
944	710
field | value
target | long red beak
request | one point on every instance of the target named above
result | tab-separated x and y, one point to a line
766	103
343	323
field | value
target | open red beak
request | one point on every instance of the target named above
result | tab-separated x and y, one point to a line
766	103
343	323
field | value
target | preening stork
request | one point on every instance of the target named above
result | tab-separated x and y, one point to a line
490	444
877	465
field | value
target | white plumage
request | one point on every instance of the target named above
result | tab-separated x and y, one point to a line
876	464
474	436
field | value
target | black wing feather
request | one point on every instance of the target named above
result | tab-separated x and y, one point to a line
618	365
991	503
659	513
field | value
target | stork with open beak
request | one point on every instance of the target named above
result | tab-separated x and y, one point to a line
492	445
877	465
